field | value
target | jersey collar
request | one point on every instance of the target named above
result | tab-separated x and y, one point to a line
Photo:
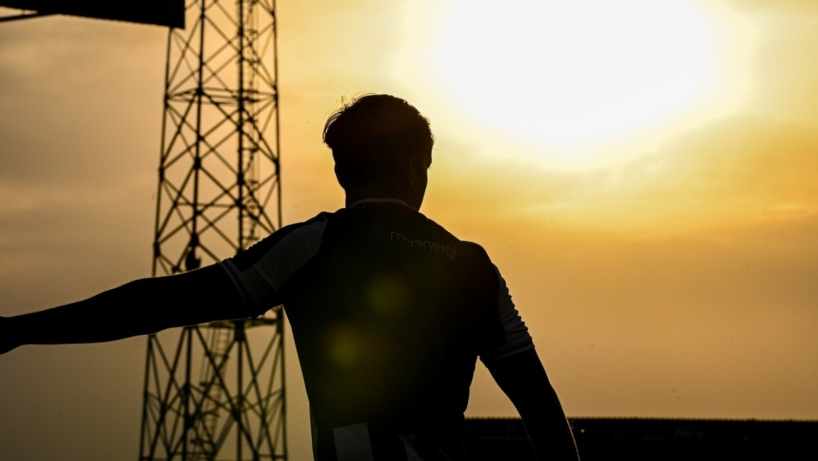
380	201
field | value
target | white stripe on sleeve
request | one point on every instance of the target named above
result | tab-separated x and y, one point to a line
516	333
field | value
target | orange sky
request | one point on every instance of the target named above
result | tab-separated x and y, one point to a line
666	269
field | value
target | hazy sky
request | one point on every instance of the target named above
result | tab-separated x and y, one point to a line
644	176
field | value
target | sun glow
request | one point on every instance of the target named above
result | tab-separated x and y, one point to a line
570	74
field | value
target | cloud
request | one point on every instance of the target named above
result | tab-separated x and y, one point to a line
735	170
785	66
781	7
62	122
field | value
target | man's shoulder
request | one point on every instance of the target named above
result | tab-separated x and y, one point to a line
318	221
472	246
323	216
301	237
474	250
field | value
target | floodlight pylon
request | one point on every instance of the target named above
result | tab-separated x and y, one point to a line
216	391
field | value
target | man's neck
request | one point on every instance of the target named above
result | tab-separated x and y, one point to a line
380	201
354	195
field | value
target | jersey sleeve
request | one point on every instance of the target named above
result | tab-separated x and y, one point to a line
259	272
516	336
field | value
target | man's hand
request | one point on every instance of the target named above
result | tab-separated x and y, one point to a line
8	340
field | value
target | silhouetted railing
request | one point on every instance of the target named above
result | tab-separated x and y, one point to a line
637	439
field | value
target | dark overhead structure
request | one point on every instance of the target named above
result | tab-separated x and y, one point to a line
169	13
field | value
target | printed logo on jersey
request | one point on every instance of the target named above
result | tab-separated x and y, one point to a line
377	232
428	245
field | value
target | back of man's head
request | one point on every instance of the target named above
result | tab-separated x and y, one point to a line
373	137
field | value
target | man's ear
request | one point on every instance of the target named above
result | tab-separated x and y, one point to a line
417	166
414	169
339	177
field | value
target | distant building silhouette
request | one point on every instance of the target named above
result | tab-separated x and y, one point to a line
637	439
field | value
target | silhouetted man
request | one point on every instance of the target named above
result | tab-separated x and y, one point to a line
389	311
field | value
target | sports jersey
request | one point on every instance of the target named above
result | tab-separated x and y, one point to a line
389	313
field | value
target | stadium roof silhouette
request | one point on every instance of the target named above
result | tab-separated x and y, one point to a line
650	439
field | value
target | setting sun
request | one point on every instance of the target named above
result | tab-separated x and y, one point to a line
569	74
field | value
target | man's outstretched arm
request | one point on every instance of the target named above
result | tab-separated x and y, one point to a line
523	379
140	307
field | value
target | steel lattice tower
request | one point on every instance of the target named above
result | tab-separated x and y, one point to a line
216	391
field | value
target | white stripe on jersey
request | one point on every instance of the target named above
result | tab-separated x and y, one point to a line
411	447
277	265
352	443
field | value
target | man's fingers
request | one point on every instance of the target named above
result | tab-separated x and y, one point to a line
7	338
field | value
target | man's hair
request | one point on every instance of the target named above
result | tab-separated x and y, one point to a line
372	137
